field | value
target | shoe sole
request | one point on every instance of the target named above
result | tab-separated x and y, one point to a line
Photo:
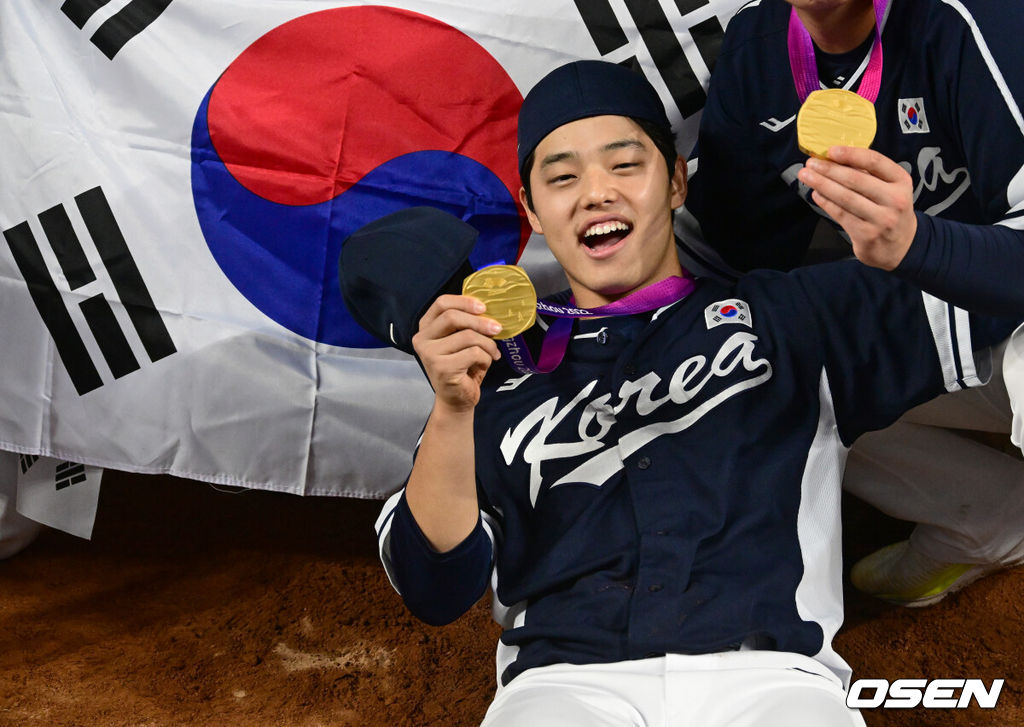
966	578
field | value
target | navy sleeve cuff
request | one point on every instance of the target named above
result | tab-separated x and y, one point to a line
913	262
438	587
974	267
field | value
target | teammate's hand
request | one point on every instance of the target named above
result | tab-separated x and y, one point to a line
868	195
454	345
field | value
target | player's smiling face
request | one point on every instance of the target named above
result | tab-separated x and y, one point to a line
603	200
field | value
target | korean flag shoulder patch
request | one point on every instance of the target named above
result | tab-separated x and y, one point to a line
732	310
912	118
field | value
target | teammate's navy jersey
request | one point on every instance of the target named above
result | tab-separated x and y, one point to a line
947	112
674	485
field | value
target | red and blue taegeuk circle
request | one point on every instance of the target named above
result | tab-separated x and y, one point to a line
728	311
333	120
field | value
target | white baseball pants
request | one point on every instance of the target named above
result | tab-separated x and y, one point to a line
1013	377
729	689
966	498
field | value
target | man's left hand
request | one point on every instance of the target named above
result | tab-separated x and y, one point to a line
868	195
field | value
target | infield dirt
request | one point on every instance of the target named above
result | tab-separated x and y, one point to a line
194	607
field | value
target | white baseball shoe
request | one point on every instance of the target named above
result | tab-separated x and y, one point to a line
900	574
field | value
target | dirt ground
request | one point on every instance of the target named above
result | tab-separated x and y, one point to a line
192	606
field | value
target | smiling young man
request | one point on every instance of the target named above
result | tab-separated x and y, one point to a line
602	189
659	516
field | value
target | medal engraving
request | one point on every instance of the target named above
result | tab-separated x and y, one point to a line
834	117
509	295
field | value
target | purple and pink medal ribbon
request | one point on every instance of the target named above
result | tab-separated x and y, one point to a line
805	67
556	340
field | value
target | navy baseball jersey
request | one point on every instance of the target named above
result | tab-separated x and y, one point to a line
674	485
947	112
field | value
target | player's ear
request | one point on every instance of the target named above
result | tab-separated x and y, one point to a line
530	214
678	183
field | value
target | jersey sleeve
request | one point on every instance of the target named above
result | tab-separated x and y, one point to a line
436	587
888	346
980	267
976	50
985	62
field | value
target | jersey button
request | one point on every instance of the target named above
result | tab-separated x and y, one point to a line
643	463
655	587
602	336
629	369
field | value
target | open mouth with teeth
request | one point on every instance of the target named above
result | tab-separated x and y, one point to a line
605	235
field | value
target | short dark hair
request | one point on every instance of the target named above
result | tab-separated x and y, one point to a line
662	137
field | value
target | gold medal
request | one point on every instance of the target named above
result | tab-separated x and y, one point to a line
509	295
834	117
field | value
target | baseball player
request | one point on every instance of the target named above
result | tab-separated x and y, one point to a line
658	517
945	171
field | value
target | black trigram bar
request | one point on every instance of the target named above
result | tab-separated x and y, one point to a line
26	461
79	11
69	473
707	36
120	27
111	339
688	6
661	41
57	226
124	273
48	301
602	25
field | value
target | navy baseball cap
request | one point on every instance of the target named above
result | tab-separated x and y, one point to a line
582	89
392	269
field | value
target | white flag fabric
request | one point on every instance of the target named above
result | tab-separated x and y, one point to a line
178	176
62	495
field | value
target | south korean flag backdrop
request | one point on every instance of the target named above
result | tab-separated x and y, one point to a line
176	180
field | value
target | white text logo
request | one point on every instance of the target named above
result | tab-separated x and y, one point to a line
932	176
775	126
928	693
596	417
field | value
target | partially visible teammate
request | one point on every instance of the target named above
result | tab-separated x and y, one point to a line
659	516
946	171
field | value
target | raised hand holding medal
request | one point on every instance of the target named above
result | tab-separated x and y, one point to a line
511	300
869	195
413	307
